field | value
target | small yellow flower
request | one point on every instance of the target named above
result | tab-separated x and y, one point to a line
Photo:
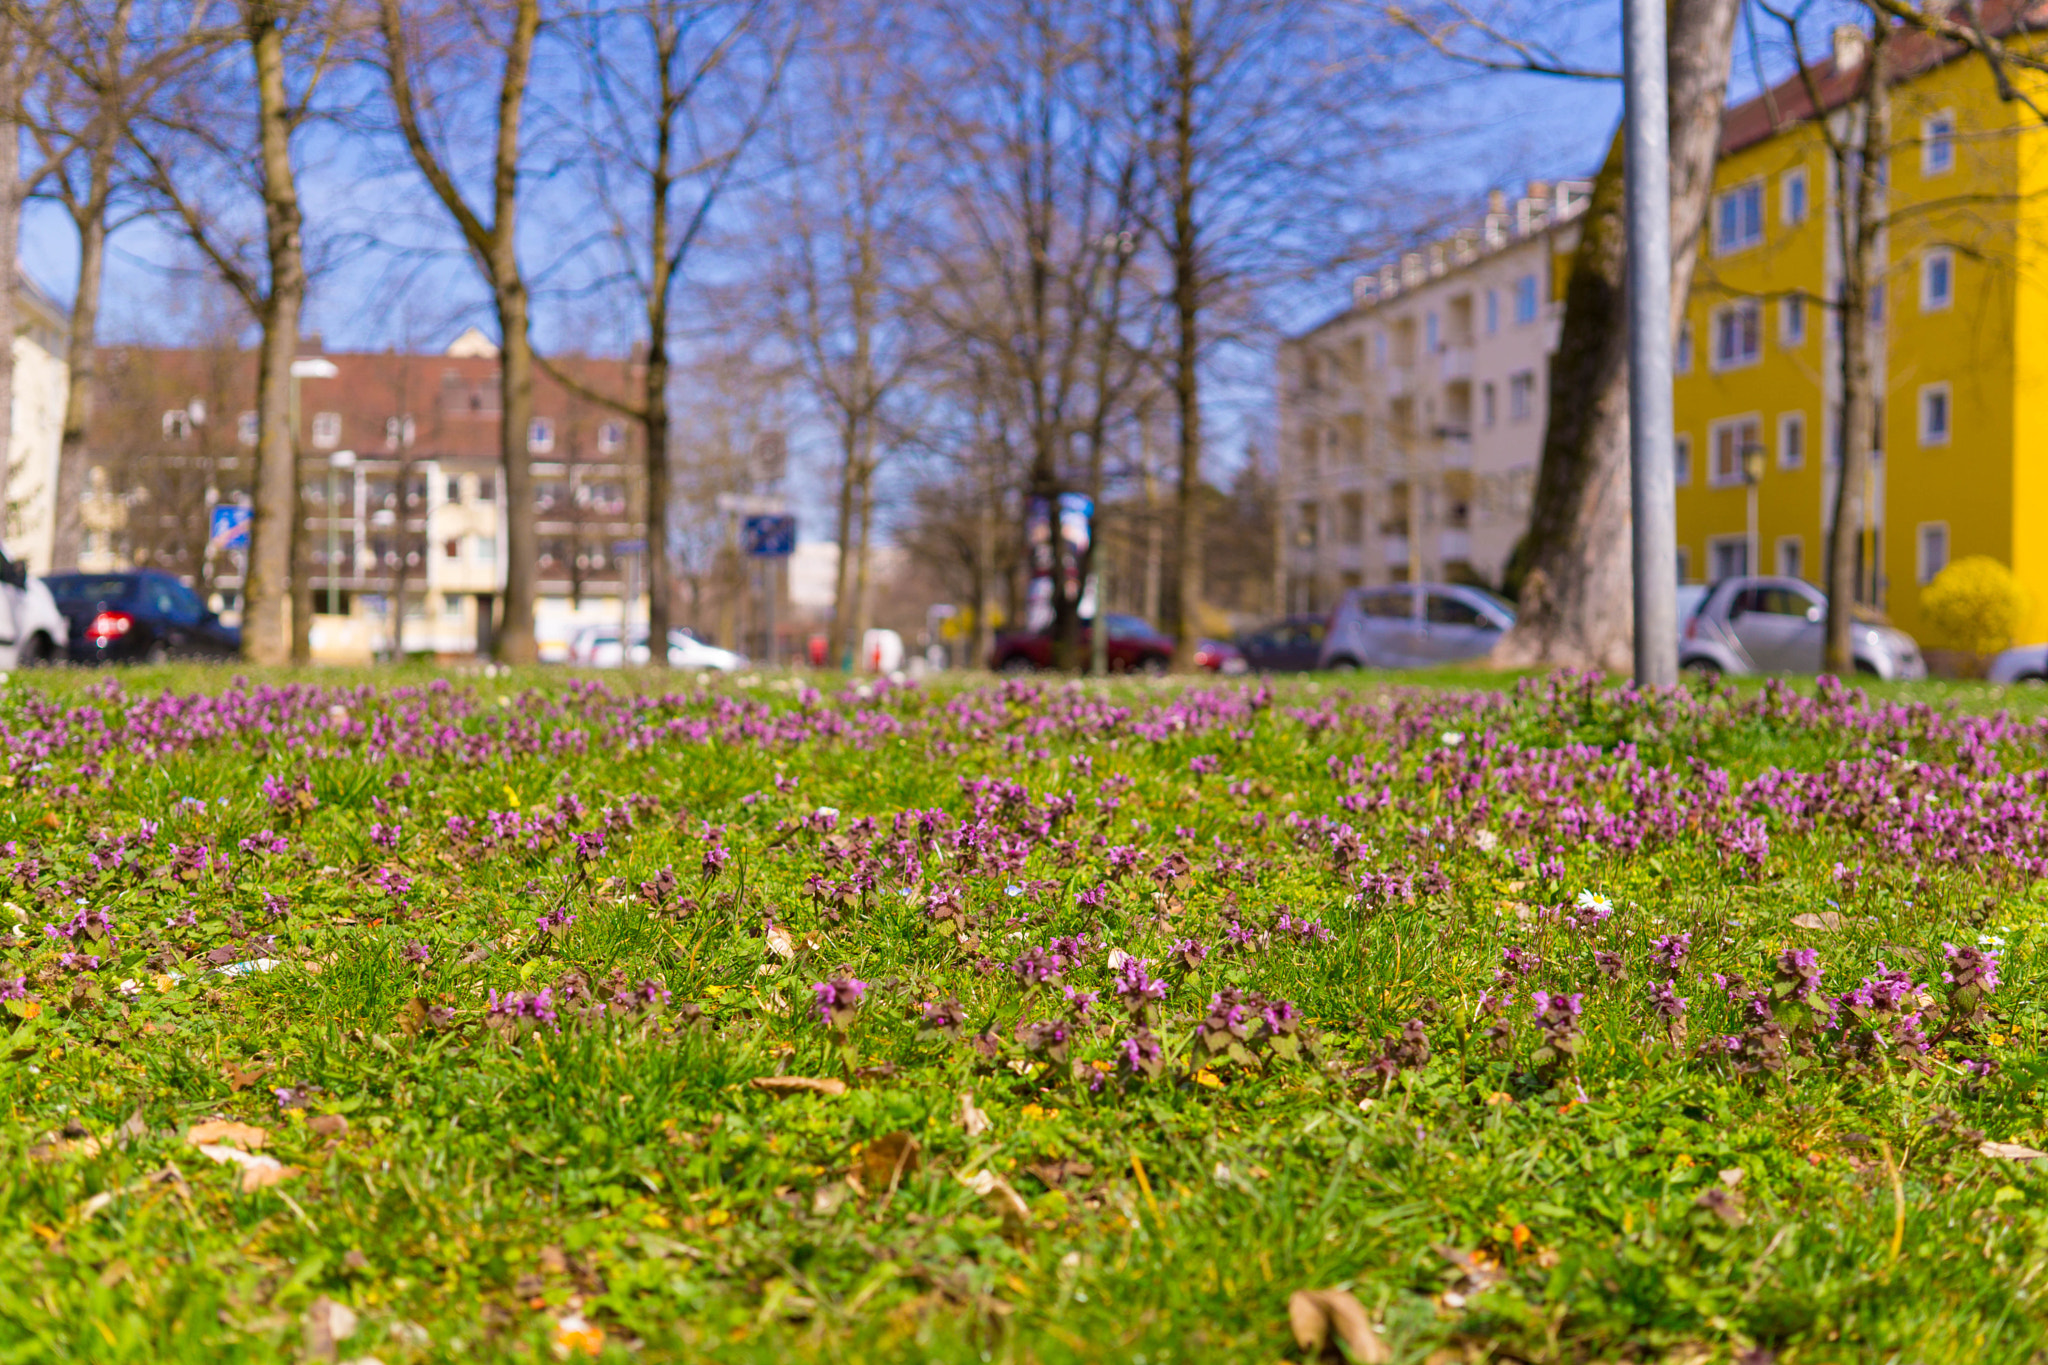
1209	1078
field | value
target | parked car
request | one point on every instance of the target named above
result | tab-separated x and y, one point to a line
33	631
1134	647
1414	625
599	647
1293	644
1777	625
1219	656
2026	664
138	617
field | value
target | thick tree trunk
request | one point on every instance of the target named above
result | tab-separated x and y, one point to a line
82	357
660	573
985	575
1858	219
836	636
10	243
1575	608
514	641
265	630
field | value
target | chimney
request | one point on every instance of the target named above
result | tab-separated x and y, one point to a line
1496	201
1539	189
1851	43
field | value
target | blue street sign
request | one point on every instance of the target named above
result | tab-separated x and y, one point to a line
228	528
769	537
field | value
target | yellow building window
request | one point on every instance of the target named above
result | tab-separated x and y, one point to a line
1730	442
1738	334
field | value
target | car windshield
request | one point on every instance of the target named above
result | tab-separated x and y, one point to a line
80	588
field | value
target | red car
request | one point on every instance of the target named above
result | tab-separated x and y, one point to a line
1134	647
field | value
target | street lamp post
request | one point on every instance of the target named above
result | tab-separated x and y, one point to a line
1752	478
1647	190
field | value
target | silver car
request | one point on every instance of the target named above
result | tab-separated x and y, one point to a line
1779	625
2025	664
1414	625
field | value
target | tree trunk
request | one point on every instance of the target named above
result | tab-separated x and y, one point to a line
265	638
860	561
1185	251
1858	221
514	642
82	359
10	242
836	644
985	575
660	573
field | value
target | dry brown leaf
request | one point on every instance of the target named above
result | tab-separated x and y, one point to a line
327	1125
780	943
975	1121
413	1016
242	1077
1825	919
226	1130
800	1085
325	1325
885	1161
1056	1173
997	1193
1324	1319
258	1172
2010	1151
552	1261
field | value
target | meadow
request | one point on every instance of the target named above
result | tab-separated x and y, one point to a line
540	1017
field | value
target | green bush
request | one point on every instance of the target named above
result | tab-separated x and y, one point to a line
1975	604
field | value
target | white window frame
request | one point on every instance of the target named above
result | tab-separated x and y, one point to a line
611	438
1789	422
1681	354
1945	258
326	431
1929	437
1792	320
1492	312
1715	544
1715	361
540	436
177	424
1723	244
1794	565
1715	478
1923	570
1681	460
1789	213
1938	143
1489	405
248	428
1525	411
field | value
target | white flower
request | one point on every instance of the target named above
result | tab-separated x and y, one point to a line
1990	941
1599	904
1486	840
130	987
1453	738
826	813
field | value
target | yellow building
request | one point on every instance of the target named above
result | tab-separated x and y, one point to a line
1962	366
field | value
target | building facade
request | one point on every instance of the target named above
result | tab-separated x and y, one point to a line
402	487
1960	454
1411	423
35	432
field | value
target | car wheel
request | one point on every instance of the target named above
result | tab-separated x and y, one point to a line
1866	669
37	653
1701	668
1016	663
1343	664
2031	680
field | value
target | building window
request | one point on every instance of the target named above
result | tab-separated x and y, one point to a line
486	549
454	490
611	438
1792	440
1432	335
1684	566
1738	334
247	428
1351	519
1792	320
1681	459
1934	415
1492	311
1305	526
177	425
1937	279
452	548
1792	196
1525	300
1937	144
540	436
1790	554
1486	404
487	488
398	433
1739	218
326	430
1379	350
1727	443
1521	396
1728	556
1681	354
1932	548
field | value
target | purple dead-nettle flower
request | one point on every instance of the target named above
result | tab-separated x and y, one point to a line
290	1096
1093	897
1201	765
1142	1055
1667	1003
1122	859
418	954
1302	928
276	906
1074	947
715	859
1135	986
1048	1036
1407	1051
1189	952
1979	1068
559	918
1669	952
946	1016
384	836
1610	964
1907	1034
1080	1002
79	962
513	1008
392	882
1516	963
1280	1015
1798	974
1238	939
1038	967
1228	1013
1848	878
1969	967
839	999
589	846
14	988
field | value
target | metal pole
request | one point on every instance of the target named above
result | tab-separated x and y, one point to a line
1652	500
1754	553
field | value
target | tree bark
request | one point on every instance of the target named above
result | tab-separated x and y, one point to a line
1575	609
1185	250
266	635
11	58
1859	220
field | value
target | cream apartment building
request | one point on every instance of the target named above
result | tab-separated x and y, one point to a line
28	478
1411	423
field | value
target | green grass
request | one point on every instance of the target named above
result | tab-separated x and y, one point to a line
490	1182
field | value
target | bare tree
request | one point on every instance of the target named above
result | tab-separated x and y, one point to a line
449	42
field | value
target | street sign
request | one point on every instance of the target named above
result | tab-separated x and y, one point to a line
622	548
769	537
228	527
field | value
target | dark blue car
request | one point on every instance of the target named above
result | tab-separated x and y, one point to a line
139	617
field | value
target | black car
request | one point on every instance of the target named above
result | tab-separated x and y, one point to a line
141	617
1291	645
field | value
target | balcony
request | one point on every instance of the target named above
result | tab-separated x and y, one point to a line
1454	363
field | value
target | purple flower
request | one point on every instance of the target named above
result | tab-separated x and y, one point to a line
14	988
838	999
418	954
1669	952
1142	1055
946	1016
1798	974
1135	986
590	846
1190	952
384	836
1969	967
554	919
1038	966
1610	964
1667	1002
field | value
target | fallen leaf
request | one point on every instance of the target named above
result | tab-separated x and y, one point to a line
327	1125
241	1078
413	1016
325	1325
1824	919
779	942
997	1193
226	1130
975	1121
1324	1319
105	1197
885	1161
2010	1151
1057	1173
800	1085
258	1172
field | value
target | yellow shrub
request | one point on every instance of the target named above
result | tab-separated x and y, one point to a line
1975	604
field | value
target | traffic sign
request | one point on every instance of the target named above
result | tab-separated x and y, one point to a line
769	537
228	527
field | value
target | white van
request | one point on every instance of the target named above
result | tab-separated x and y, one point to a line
32	630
